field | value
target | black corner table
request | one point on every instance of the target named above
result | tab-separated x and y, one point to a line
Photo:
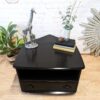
42	70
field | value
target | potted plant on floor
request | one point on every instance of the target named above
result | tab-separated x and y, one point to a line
10	43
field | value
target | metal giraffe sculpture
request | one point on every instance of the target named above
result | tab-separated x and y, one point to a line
92	33
28	31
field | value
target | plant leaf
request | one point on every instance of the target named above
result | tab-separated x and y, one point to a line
10	43
1	46
16	42
5	50
11	27
10	23
20	43
12	33
3	39
3	30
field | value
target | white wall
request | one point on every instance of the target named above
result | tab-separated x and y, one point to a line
47	20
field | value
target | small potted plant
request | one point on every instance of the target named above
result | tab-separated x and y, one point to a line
69	18
10	43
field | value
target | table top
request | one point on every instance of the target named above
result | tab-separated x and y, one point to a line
45	58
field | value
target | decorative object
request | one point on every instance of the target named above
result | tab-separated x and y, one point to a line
30	38
69	18
10	43
92	33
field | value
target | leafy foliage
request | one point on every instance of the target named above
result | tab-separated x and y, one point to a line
70	15
9	44
68	18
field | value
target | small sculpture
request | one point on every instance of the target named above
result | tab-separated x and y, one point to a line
30	38
92	33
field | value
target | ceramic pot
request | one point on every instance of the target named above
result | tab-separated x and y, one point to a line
11	59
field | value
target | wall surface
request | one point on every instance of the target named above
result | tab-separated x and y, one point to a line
47	20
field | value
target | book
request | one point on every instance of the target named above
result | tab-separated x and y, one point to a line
69	43
65	46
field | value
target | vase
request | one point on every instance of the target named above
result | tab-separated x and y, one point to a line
67	34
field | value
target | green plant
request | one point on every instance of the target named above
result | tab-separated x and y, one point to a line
9	42
70	15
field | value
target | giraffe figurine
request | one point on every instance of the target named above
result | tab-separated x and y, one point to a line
30	38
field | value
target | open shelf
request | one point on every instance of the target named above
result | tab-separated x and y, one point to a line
48	74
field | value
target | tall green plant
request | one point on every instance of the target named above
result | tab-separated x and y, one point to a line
8	43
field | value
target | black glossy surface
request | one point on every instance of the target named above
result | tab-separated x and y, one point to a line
42	70
44	57
53	86
49	81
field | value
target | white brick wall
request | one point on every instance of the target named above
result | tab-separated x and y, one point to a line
47	20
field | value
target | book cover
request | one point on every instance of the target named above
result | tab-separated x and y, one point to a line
65	49
69	43
65	46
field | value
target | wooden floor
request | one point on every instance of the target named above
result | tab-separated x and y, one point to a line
88	89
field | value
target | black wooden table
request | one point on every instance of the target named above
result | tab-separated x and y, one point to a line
42	70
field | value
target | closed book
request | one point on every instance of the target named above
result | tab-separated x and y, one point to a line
69	43
65	46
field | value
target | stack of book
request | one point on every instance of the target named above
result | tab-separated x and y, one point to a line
65	46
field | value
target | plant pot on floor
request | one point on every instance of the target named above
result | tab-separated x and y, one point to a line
12	56
11	59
